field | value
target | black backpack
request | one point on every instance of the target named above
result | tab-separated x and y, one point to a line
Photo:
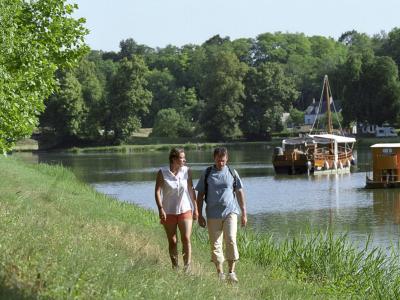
208	171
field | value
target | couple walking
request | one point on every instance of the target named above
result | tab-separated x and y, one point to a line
221	189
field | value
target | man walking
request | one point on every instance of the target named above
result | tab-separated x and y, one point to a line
222	190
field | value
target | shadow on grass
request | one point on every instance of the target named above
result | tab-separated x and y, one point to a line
14	293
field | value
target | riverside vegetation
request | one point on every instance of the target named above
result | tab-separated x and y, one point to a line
62	240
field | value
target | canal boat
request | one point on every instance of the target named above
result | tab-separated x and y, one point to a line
329	152
385	166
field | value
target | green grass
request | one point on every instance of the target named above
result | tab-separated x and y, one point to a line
154	146
62	240
141	148
26	145
143	144
331	261
367	141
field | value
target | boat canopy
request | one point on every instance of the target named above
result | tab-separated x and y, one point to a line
298	141
337	138
319	139
388	145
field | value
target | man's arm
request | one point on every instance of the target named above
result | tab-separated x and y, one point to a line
242	204
200	200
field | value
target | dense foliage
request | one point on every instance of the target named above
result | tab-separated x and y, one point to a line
220	90
224	89
36	39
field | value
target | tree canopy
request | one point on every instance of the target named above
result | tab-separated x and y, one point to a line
223	91
129	99
269	93
226	89
36	39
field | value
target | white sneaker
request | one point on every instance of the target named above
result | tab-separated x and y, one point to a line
221	276
187	269
232	277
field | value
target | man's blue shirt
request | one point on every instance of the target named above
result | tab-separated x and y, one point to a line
220	198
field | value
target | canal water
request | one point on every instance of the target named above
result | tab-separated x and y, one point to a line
282	205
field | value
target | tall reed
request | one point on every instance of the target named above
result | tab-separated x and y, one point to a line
330	260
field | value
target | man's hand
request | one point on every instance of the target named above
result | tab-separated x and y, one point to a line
202	221
244	220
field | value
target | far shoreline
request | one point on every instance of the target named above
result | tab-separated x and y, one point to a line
150	144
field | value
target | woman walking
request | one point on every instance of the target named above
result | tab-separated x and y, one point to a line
177	207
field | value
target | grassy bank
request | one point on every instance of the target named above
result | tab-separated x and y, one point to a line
148	144
140	148
26	145
367	141
162	147
60	239
140	142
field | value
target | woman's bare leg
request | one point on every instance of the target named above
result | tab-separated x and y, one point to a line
185	228
170	229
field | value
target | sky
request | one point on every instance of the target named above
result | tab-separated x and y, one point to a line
158	23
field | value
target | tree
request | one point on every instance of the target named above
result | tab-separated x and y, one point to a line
162	84
79	100
269	93
128	99
129	48
337	120
278	47
359	43
296	117
36	39
391	46
167	123
185	102
243	49
93	93
222	89
217	40
328	55
65	109
173	59
374	94
166	94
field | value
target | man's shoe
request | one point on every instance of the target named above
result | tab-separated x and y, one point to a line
232	277
221	276
187	269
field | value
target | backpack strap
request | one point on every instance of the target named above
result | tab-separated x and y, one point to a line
208	171
233	173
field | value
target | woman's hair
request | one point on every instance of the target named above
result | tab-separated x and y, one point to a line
174	154
220	151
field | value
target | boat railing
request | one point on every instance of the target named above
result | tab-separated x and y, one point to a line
387	178
325	154
290	155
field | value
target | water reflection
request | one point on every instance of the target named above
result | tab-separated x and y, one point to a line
386	205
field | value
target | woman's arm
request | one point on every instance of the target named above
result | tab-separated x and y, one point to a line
192	195
157	195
